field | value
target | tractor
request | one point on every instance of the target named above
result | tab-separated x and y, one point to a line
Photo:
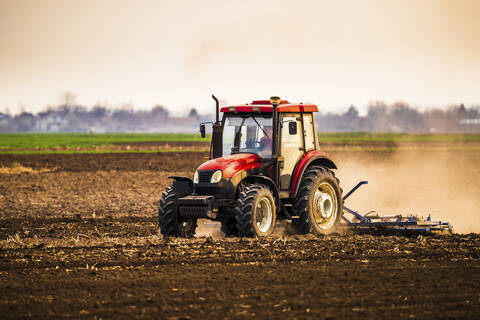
264	165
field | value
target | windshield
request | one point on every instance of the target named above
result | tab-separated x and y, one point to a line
248	134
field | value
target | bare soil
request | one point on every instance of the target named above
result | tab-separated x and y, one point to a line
163	161
81	241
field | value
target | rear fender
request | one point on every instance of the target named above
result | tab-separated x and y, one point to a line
310	158
182	185
265	181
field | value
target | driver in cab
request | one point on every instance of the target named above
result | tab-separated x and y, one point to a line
266	142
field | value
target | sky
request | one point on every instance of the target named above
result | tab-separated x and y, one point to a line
177	53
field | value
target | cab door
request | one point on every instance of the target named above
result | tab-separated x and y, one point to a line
309	132
291	147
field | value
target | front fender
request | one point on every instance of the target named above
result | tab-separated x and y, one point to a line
182	185
265	181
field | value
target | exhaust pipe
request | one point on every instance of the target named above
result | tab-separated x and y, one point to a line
217	119
217	133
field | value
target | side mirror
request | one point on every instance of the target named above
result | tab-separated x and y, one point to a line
292	128
202	130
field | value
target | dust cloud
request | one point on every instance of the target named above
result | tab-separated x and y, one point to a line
444	184
207	228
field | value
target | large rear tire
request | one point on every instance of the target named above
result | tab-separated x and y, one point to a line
319	202
171	225
255	212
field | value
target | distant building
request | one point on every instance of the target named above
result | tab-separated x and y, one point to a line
473	121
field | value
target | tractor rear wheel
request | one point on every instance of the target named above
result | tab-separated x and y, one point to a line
319	202
171	225
255	212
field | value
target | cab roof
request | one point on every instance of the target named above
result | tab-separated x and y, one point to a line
265	106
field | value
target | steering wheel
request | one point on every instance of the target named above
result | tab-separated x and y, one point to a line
254	144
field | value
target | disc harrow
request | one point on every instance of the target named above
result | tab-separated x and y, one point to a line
371	222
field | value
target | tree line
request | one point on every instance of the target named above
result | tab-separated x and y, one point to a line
401	117
380	117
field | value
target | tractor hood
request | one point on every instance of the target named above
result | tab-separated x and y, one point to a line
230	165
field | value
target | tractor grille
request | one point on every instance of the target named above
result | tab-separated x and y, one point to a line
204	176
211	189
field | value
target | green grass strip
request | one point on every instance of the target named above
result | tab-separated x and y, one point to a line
68	143
88	140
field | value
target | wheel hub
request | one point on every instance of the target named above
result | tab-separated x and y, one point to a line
324	206
264	215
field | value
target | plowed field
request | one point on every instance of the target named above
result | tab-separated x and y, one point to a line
79	239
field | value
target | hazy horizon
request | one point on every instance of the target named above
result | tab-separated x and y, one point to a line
177	53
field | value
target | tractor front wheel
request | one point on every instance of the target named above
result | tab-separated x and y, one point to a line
319	203
168	220
255	212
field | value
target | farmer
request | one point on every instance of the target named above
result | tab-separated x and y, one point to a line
266	142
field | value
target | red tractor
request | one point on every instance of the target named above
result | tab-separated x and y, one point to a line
265	164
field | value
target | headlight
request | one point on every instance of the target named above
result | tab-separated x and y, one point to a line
195	177
216	176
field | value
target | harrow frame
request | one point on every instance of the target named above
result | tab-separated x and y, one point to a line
397	223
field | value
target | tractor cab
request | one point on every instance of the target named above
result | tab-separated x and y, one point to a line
263	158
249	129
